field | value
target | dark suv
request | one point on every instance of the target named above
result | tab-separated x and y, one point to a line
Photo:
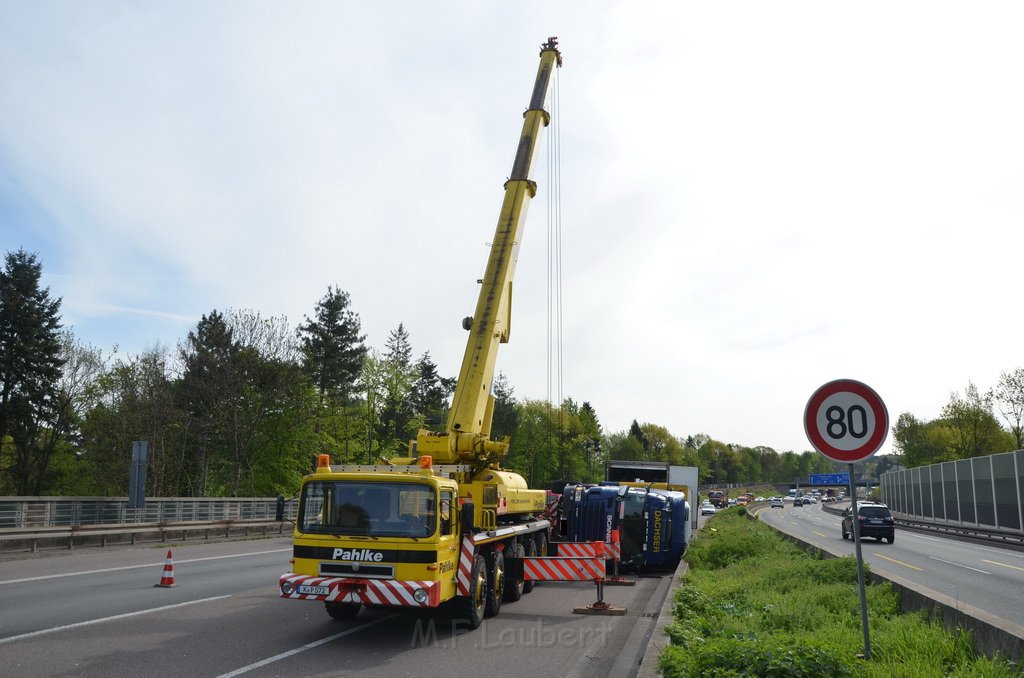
874	520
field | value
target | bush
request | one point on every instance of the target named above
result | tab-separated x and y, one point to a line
754	604
761	657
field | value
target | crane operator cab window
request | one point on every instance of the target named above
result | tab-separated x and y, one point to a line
449	516
368	509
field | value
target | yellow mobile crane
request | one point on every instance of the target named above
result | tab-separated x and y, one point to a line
437	525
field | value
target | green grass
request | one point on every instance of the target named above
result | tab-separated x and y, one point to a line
754	604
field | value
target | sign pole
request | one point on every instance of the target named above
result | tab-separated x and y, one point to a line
847	422
855	526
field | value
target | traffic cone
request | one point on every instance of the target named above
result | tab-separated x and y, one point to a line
167	580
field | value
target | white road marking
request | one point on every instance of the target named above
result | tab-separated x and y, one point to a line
966	567
135	567
303	648
106	619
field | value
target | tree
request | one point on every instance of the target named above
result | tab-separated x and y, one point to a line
624	446
923	442
662	445
75	392
30	367
396	413
976	431
637	433
266	390
134	399
533	445
430	391
591	443
1010	395
208	396
718	459
333	354
374	395
506	412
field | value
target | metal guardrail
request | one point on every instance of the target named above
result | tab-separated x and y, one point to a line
38	512
976	532
69	536
27	523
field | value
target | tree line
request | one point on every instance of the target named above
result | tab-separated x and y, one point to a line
243	405
968	425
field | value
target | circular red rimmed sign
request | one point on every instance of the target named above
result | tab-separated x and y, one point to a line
846	421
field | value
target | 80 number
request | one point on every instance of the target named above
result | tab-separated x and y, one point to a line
853	420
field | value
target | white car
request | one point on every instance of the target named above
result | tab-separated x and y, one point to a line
707	508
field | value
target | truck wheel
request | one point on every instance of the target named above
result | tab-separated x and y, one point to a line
891	539
495	584
342	610
514	588
846	535
470	609
531	552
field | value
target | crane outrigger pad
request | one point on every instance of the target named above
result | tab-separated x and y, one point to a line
601	607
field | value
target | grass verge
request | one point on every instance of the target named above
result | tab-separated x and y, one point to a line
754	604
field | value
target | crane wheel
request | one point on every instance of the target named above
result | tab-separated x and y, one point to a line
495	584
470	609
514	588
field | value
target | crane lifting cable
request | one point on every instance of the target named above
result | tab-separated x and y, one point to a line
555	395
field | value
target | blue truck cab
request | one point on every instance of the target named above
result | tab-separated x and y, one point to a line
653	524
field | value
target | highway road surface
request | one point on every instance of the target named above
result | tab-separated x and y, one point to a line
96	612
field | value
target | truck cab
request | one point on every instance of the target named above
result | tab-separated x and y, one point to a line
356	533
653	524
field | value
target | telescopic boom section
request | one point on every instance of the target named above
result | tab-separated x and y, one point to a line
469	421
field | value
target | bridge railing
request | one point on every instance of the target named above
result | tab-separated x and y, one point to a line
37	512
28	523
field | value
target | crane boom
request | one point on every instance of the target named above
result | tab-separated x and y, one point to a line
467	434
409	533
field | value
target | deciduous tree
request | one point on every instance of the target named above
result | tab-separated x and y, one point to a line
1010	396
976	431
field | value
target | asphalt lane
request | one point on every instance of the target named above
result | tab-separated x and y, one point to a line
99	614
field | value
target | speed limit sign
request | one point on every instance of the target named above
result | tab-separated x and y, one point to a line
846	421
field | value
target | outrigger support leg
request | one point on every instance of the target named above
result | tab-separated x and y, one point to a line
601	607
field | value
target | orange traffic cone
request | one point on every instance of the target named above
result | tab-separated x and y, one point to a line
167	580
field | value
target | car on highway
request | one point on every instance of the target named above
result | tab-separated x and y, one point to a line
707	508
798	501
777	503
873	520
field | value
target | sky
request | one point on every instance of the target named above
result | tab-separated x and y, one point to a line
752	198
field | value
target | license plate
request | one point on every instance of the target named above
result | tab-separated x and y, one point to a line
314	590
875	521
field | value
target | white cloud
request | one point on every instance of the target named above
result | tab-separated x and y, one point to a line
757	198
